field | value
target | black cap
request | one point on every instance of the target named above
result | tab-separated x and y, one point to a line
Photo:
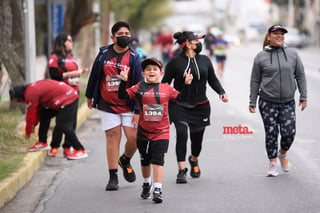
153	61
192	36
186	36
276	27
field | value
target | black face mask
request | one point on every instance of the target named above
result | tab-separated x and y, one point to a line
123	41
198	48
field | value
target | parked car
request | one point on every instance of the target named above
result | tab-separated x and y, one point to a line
232	38
296	39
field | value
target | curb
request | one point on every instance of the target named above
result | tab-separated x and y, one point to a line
10	186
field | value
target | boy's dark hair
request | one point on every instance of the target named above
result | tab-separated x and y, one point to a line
118	25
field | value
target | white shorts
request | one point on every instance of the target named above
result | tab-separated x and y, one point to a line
111	120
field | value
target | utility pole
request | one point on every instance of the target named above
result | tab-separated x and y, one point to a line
96	25
105	22
30	41
290	13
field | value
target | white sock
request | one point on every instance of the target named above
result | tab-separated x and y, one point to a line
147	180
157	185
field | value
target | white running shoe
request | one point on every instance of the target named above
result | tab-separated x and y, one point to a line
285	165
273	169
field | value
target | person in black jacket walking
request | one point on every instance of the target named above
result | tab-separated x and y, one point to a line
194	113
276	72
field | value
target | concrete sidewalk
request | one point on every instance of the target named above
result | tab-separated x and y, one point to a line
32	161
31	164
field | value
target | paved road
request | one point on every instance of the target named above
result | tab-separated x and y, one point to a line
233	166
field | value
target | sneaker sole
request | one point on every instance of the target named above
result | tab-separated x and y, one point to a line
273	175
178	181
34	150
286	169
145	198
195	175
77	158
157	200
112	188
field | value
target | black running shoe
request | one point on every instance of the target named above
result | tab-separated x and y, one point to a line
182	176
157	195
112	184
146	189
128	172
195	170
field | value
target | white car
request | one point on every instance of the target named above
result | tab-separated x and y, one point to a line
295	39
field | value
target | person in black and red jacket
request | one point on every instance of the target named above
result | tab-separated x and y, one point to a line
153	130
54	95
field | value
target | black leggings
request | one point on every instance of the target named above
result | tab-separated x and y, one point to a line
65	125
196	137
46	114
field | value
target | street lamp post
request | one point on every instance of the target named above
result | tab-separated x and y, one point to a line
30	41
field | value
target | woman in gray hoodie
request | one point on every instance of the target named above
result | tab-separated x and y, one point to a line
276	73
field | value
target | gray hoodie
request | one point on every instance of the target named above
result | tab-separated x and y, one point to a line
276	72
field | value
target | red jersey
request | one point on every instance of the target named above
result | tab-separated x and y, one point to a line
63	65
153	100
46	93
166	42
109	84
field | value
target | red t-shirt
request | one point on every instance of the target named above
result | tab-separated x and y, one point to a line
109	84
153	100
166	42
67	64
46	93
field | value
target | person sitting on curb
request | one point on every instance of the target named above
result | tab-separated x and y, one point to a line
54	95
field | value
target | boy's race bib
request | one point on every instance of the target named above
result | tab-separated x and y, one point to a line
152	112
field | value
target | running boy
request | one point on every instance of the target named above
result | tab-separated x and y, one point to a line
153	130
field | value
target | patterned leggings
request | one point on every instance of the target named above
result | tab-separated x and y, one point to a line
275	116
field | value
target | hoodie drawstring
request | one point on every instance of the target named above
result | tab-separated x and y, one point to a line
284	53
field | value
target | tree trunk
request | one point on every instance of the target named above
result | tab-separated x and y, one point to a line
78	14
12	39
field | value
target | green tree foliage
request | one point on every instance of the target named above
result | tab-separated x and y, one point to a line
299	3
141	14
280	2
